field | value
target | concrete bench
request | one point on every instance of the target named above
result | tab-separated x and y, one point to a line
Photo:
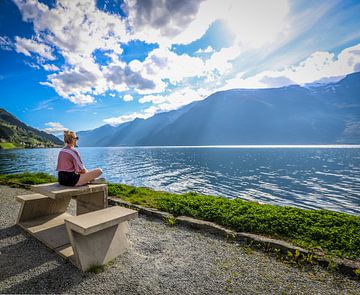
90	197
100	236
96	235
34	206
43	218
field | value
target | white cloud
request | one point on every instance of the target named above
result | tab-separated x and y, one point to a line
32	65
175	99
45	104
49	67
87	78
220	62
75	26
6	43
75	29
126	118
128	97
160	20
163	63
25	46
162	103
208	49
81	99
317	66
254	23
54	128
121	76
77	85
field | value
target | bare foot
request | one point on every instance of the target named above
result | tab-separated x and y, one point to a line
99	180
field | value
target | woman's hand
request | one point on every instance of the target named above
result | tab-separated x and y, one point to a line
84	171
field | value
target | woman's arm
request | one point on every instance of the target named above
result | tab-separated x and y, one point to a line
78	164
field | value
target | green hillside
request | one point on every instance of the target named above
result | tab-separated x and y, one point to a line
16	134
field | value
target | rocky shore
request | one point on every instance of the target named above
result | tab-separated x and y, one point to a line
161	260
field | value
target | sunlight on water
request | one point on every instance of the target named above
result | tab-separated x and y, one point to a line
311	177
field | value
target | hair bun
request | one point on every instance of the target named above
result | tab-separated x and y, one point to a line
68	136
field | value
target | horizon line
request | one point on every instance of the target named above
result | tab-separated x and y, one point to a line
239	146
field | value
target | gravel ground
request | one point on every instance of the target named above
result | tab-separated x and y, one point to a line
161	260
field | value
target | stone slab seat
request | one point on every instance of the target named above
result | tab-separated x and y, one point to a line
34	206
90	197
56	190
99	236
43	218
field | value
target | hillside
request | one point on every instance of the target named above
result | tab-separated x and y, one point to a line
321	114
14	133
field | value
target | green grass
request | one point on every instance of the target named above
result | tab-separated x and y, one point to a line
7	145
335	233
137	195
23	180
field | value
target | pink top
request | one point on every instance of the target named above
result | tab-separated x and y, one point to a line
69	160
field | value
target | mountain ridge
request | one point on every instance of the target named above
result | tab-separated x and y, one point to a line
15	133
320	114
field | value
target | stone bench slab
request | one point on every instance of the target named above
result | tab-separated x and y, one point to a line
97	220
31	197
55	190
37	205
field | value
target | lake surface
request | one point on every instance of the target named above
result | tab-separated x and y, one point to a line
306	176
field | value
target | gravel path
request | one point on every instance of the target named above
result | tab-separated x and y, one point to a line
161	260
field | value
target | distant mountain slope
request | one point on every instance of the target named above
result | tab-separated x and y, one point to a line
14	131
323	114
136	132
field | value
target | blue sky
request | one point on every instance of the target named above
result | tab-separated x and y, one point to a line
82	64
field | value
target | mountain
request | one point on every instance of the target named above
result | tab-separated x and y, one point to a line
18	134
136	132
320	114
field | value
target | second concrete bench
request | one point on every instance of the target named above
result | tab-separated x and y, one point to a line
100	236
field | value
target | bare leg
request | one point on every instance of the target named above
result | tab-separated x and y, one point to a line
88	176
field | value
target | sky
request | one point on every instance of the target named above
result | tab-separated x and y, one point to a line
81	64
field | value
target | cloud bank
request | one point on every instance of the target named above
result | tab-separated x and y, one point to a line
54	128
317	66
68	36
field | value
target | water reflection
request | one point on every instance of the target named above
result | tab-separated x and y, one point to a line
303	177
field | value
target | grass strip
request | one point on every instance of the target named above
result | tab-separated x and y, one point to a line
23	180
334	233
7	145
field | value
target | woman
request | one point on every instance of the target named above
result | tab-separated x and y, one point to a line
71	170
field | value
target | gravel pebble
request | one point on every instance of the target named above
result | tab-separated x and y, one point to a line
160	260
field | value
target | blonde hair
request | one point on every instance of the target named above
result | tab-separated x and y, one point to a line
69	136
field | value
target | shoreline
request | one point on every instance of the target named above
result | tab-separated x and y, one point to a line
252	146
28	148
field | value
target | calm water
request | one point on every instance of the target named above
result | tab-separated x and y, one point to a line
311	177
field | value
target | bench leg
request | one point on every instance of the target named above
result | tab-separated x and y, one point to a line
31	209
100	247
91	202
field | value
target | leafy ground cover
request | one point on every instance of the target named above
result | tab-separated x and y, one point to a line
332	232
7	145
23	180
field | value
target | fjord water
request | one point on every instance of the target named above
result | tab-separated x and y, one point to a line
307	177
